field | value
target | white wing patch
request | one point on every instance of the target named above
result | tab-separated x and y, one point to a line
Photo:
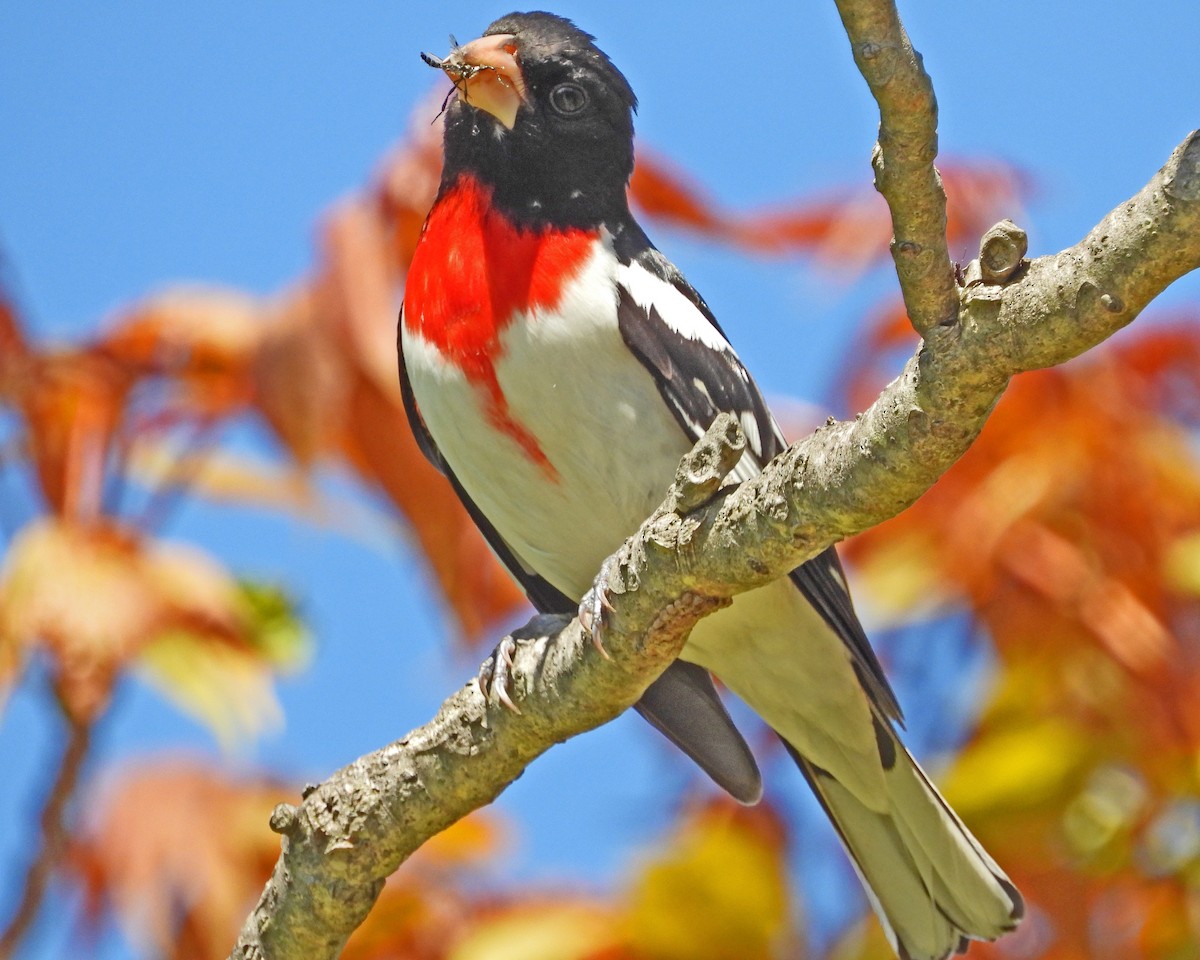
677	312
750	429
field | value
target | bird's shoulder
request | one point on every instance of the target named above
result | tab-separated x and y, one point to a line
669	327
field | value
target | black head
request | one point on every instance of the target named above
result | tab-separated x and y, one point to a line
542	116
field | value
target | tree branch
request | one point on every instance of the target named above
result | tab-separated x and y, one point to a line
350	833
850	476
54	835
354	830
903	159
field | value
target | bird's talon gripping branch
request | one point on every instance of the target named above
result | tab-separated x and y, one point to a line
591	616
495	674
595	604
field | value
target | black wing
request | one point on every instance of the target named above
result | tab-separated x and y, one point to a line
683	704
697	380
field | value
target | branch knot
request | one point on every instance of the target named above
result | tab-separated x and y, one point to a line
283	819
1181	179
704	468
1002	251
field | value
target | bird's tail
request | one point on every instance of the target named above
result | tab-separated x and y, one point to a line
931	883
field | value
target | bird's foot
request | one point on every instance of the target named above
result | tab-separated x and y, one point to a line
495	674
594	605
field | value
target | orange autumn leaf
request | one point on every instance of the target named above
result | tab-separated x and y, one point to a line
98	599
561	928
850	229
1037	510
179	853
48	569
665	194
187	900
299	382
471	841
408	922
407	182
71	402
13	349
430	905
324	377
200	339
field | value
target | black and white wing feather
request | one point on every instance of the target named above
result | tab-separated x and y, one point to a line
669	328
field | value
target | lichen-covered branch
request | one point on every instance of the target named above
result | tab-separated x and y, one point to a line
351	832
903	159
849	476
355	829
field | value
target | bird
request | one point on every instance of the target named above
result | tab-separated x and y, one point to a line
555	366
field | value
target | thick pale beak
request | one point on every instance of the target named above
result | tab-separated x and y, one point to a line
487	76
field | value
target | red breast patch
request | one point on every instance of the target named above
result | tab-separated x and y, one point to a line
473	271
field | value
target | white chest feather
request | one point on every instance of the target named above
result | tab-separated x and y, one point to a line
610	445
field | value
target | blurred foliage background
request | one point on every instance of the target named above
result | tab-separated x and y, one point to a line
1062	553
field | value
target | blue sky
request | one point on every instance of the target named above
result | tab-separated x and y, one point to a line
149	143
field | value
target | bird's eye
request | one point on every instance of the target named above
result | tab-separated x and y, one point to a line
568	99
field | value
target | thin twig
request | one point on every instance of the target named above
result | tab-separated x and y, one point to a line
903	159
54	836
171	493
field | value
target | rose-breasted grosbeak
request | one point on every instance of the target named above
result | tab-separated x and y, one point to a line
556	367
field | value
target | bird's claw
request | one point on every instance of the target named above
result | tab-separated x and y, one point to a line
593	607
495	674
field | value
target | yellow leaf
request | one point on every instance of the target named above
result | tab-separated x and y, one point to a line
864	940
1018	767
539	932
1183	564
227	688
719	892
1105	811
901	581
219	664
